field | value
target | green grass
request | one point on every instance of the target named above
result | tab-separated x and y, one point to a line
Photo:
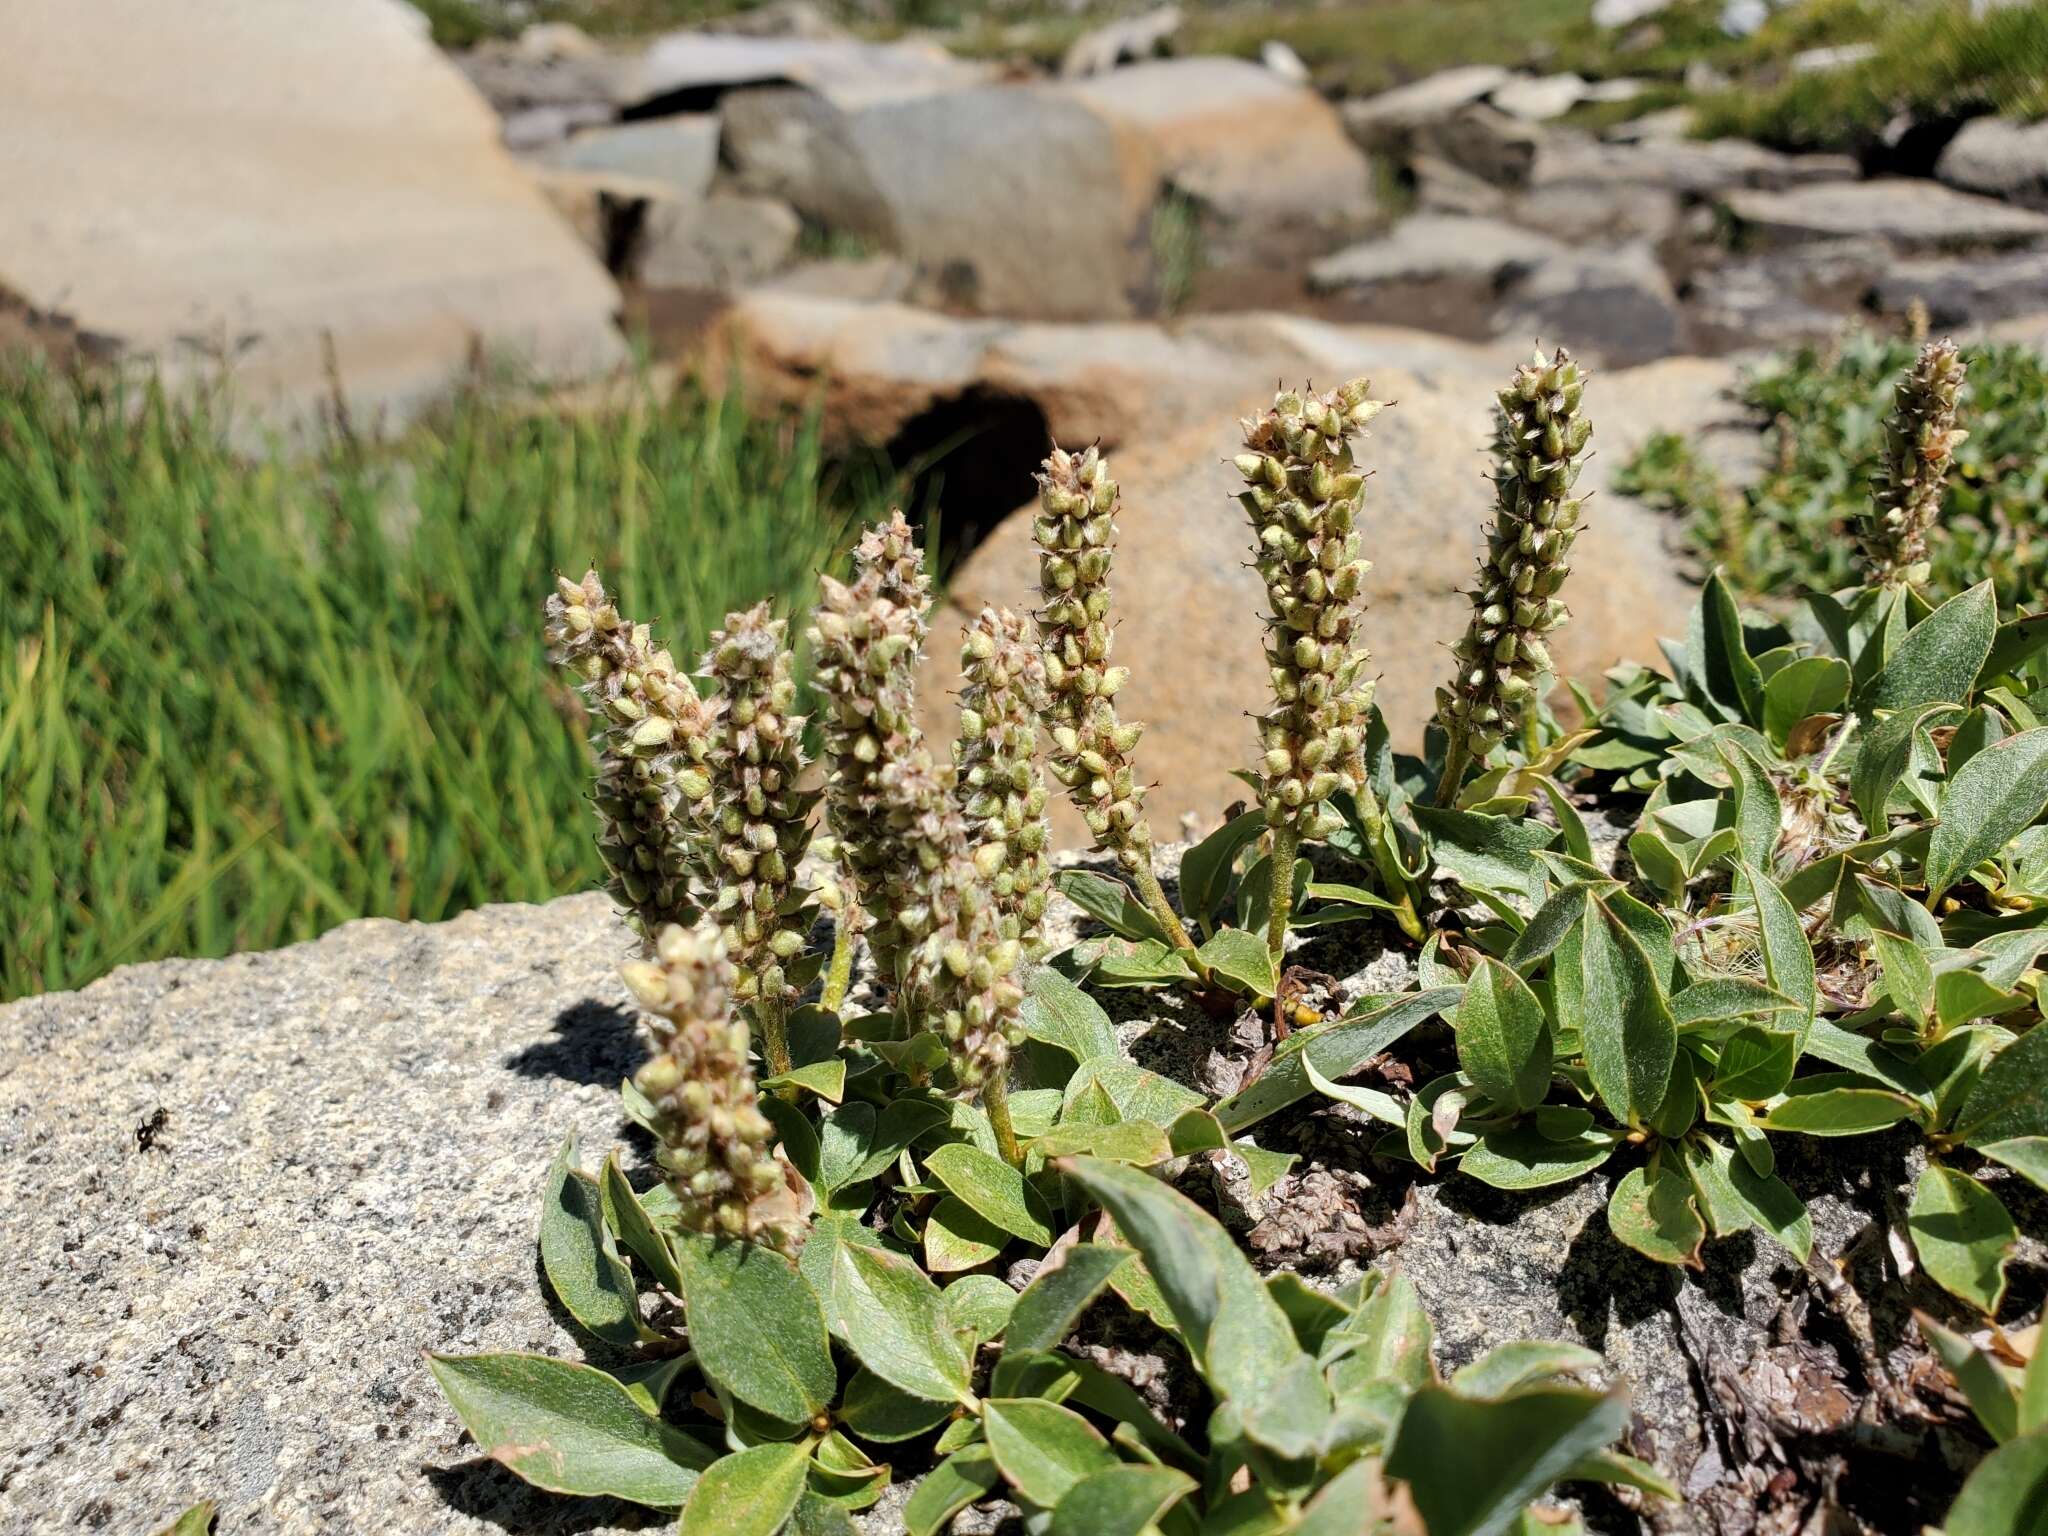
1794	530
242	700
1933	60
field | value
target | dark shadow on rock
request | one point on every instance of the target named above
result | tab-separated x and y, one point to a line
1605	1283
484	1490
593	1043
1725	1261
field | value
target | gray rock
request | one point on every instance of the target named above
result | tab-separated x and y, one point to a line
864	279
1744	18
841	69
779	18
791	143
1441	187
1622	13
1819	61
1603	211
1688	167
348	1173
1968	291
1056	232
1911	215
939	180
2001	158
283	186
1431	246
723	241
1616	306
1665	125
1537	100
1484	143
1265	158
679	152
1125	41
1787	295
1284	61
526	129
1386	121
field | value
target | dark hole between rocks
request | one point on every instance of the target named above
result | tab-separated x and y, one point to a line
969	460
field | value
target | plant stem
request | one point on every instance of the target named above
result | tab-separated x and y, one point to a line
995	1099
1399	888
773	1017
1286	849
840	972
1154	897
1457	758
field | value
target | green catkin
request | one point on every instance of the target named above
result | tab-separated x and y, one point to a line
1091	746
716	1147
867	638
1304	495
1540	444
760	823
962	971
652	733
1920	440
1002	792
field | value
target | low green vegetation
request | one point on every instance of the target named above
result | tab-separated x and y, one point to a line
1791	532
1932	61
245	698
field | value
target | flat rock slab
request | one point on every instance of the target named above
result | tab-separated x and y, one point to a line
230	178
348	1172
1912	215
1428	246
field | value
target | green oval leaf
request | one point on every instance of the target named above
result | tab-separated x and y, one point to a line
957	1239
1605	984
757	1327
897	1323
1111	903
874	1410
1940	657
1652	1211
1472	1465
1205	868
749	1493
1504	1040
2008	1493
583	1267
1836	1111
1338	1049
1119	1501
1058	1294
966	1475
569	1428
1812	685
1042	1448
1993	1391
993	1189
1963	1235
1240	958
2011	1098
1994	797
1059	1014
1522	1157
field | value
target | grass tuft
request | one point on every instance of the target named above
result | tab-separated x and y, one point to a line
244	699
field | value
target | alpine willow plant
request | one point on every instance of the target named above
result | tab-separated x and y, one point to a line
870	1259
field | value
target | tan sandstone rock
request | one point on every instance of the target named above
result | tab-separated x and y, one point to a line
226	178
